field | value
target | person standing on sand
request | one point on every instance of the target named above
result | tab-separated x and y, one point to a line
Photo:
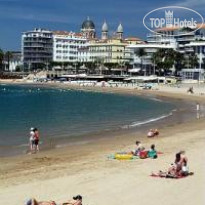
197	110
31	140
36	139
197	107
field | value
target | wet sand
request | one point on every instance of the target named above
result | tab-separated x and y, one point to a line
85	169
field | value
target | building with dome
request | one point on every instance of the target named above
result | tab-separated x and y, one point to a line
111	49
88	29
41	47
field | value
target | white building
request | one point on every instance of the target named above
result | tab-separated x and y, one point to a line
66	46
187	43
146	61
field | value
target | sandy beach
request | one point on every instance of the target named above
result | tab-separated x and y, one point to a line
85	169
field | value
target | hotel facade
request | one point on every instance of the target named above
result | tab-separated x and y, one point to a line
42	46
37	48
66	46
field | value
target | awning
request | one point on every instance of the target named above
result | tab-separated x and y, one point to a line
134	70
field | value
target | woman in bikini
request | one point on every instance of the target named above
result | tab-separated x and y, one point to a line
178	168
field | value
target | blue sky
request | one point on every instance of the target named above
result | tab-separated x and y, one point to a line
17	16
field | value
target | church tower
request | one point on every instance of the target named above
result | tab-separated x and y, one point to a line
88	29
104	31
119	32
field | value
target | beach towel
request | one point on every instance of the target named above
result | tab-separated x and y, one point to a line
167	176
113	157
126	156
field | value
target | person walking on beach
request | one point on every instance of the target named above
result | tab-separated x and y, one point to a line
31	139
190	90
197	107
197	110
36	140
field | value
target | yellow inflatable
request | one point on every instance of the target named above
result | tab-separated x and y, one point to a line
123	156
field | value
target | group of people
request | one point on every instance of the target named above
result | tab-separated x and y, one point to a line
77	200
143	153
153	133
179	168
34	140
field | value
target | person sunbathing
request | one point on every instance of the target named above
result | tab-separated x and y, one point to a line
150	133
182	163
152	153
33	201
77	200
170	173
156	132
138	148
177	169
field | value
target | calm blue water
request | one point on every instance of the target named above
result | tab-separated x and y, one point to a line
64	113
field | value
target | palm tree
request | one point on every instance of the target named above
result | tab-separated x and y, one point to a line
193	60
180	62
164	59
1	60
141	53
8	55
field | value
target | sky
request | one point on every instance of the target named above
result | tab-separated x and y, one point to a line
18	16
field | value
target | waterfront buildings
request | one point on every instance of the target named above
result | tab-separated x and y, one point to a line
185	41
42	47
37	48
111	49
66	46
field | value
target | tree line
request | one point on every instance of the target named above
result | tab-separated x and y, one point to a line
5	56
162	60
165	58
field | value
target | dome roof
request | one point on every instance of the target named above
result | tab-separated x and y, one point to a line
120	28
105	27
88	24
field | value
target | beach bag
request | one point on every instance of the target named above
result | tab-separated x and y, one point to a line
143	154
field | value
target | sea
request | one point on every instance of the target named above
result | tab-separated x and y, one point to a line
64	115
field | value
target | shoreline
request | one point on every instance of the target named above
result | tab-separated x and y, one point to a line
84	169
168	119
